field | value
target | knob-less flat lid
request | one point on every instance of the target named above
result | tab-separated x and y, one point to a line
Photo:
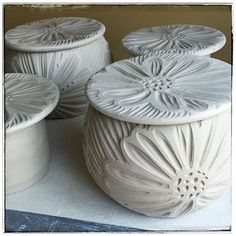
54	34
187	39
28	99
162	90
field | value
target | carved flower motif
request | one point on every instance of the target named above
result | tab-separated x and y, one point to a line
171	170
161	87
28	99
161	171
53	32
192	39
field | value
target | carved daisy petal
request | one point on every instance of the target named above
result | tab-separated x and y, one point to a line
172	160
162	89
54	34
161	171
69	69
28	99
190	39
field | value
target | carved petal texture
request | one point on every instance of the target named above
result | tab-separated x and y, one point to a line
166	89
159	171
69	69
188	39
28	99
66	50
54	34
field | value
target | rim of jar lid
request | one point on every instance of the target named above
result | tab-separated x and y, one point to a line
28	100
111	102
198	51
20	37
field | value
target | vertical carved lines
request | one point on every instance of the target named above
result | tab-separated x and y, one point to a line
69	69
161	171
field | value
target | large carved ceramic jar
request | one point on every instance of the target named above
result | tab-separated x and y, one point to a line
66	50
185	39
28	99
157	132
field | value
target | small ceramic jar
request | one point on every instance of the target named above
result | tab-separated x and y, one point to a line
28	99
66	50
185	39
157	132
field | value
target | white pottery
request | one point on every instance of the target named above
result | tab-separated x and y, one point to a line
185	39
28	99
66	50
157	132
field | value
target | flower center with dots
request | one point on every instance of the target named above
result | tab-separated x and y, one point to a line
157	83
172	36
190	185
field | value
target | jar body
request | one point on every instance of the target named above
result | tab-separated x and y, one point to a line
69	69
159	171
27	157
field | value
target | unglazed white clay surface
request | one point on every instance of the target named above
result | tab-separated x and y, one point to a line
159	171
54	34
65	50
188	39
162	90
28	100
68	191
157	135
27	157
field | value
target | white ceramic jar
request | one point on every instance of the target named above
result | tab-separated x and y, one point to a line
66	50
157	132
28	99
185	39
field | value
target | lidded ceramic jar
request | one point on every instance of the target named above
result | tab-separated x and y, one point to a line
185	39
66	50
157	132
28	99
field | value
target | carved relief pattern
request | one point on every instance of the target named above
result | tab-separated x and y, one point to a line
55	32
69	69
190	39
27	98
159	171
165	88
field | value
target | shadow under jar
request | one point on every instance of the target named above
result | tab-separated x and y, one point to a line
185	39
157	132
66	50
28	100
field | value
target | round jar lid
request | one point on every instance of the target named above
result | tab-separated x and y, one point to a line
28	99
54	34
186	39
162	90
